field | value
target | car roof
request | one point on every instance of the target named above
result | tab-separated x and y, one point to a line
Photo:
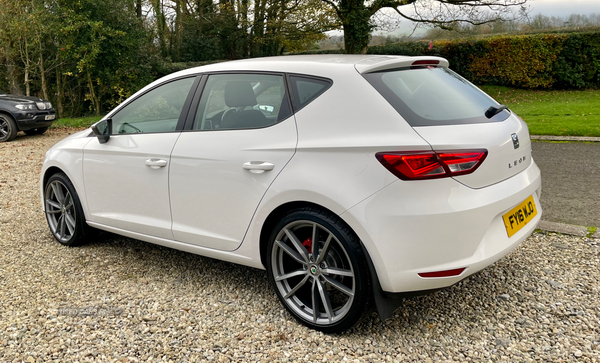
321	64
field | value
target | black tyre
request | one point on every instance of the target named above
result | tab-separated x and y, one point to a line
8	128
64	212
38	131
324	284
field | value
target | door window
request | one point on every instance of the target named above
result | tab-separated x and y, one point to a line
242	101
155	111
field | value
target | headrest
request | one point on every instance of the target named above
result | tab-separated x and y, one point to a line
239	94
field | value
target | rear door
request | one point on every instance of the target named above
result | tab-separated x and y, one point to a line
240	138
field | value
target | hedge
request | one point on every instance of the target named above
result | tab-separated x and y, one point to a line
529	61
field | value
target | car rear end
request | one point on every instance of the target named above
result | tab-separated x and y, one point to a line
463	204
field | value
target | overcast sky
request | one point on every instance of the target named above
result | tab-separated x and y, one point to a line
559	8
564	7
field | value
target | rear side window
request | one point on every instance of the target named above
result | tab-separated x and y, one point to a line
242	101
305	90
429	96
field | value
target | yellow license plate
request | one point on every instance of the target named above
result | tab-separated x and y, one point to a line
519	216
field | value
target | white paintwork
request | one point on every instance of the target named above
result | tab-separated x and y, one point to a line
213	196
122	190
438	225
495	137
371	65
67	156
326	157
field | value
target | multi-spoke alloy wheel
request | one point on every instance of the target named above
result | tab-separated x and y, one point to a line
318	270
8	128
63	210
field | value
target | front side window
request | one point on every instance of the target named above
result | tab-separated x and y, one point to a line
155	111
429	96
242	101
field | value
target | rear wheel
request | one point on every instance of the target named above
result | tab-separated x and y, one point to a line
64	212
8	128
38	131
318	270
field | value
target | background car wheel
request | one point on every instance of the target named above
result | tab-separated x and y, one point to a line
8	128
64	212
38	131
318	270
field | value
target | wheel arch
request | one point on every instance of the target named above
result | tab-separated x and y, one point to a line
385	303
56	168
51	171
274	217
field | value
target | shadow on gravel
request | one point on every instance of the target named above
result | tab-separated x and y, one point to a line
472	303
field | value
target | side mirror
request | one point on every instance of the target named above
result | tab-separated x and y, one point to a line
102	130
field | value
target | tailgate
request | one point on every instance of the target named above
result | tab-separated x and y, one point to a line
506	156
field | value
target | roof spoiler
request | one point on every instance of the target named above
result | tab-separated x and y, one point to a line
372	65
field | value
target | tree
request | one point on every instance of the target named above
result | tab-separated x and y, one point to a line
357	16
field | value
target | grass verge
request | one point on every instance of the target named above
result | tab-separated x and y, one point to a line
560	113
76	123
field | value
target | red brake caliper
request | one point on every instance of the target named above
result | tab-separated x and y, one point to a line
308	244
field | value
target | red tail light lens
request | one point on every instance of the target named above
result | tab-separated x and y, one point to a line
430	62
447	273
431	165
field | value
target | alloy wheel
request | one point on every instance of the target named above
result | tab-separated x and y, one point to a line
313	272
4	128
60	211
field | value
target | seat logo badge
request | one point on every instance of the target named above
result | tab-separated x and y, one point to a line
515	140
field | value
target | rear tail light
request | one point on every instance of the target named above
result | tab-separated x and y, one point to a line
431	164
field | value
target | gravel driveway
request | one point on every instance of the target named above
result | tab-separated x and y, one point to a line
118	299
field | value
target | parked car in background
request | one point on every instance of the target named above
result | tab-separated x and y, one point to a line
350	179
31	115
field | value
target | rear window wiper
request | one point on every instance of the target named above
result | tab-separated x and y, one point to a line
494	110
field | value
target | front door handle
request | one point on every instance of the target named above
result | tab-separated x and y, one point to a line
258	167
156	163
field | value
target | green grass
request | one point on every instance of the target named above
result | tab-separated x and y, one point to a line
561	113
76	123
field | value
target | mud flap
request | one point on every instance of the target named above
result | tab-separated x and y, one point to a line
385	303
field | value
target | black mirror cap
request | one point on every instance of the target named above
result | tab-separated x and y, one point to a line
103	132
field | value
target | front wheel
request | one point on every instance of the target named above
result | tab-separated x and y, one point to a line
63	211
8	128
318	270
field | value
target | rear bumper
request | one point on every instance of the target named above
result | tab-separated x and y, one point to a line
436	225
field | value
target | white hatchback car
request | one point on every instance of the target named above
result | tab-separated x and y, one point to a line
349	178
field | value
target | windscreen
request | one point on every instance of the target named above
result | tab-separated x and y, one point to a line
429	96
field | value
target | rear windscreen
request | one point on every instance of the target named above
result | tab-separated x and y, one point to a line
430	96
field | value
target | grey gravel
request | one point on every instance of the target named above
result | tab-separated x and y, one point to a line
121	300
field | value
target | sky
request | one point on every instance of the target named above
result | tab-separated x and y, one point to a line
564	7
559	8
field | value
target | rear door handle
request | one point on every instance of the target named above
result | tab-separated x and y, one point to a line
258	167
156	163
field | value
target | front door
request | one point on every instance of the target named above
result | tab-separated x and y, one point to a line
127	178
